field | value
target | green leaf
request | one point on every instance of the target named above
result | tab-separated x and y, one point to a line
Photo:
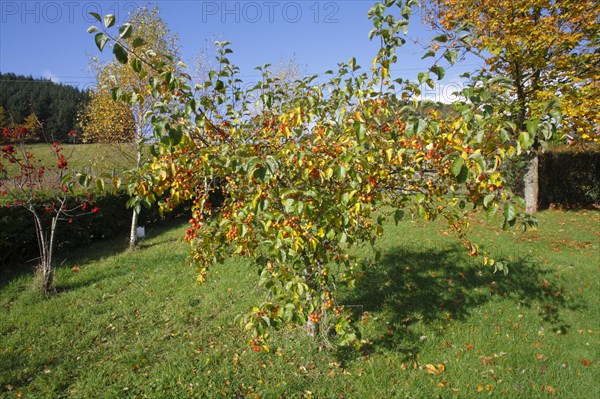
439	71
136	64
451	56
125	31
360	130
83	179
441	38
415	126
220	86
92	29
109	20
510	216
131	202
352	64
532	127
398	215
120	53
488	199
101	40
289	205
175	136
510	212
96	15
372	33
463	176
457	166
345	198
491	212
65	179
428	54
137	42
525	140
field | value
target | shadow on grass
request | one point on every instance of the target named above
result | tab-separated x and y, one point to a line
117	246
434	286
89	253
93	252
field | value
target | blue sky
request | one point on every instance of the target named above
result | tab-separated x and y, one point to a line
48	38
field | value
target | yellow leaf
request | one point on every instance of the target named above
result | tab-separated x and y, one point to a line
431	369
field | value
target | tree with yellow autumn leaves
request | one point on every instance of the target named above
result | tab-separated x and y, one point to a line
107	120
548	51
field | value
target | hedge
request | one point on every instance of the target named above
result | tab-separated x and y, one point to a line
18	244
569	178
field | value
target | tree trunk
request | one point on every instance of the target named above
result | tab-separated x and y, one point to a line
531	183
134	217
311	326
133	231
45	270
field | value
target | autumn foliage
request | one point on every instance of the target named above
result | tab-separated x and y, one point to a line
43	190
547	52
310	171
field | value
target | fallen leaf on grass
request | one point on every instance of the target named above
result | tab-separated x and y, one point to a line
585	362
548	389
75	268
487	387
487	360
541	357
431	369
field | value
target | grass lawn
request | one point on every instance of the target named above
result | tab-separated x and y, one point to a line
435	323
96	158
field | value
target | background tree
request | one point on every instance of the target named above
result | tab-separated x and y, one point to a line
3	120
56	105
106	120
548	51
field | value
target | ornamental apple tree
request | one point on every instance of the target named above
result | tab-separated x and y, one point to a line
312	169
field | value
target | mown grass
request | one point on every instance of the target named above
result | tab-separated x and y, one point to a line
135	324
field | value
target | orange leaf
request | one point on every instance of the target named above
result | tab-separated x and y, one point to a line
585	362
75	268
550	389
